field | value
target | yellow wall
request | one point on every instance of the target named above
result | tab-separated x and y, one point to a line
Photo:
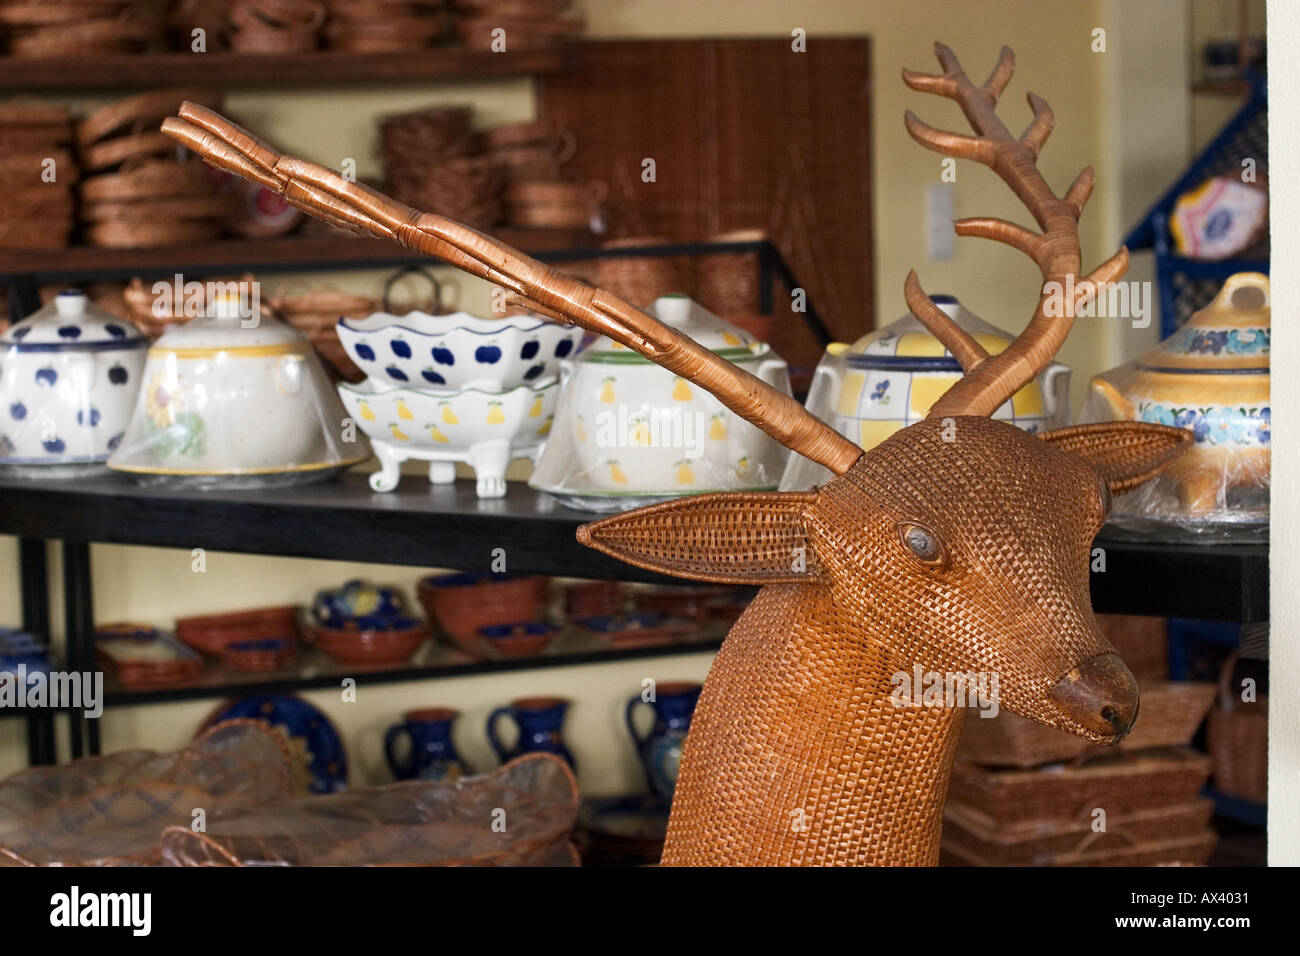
1052	43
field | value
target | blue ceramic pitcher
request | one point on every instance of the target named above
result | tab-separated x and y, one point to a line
541	727
433	755
660	750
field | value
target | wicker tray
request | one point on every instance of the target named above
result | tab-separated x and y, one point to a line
1185	851
1120	782
1039	842
1170	713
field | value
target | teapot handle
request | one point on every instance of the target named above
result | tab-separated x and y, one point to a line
1056	394
1243	280
631	725
774	372
401	770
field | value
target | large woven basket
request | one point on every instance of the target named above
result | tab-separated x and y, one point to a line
1171	712
1120	782
984	842
642	279
1237	738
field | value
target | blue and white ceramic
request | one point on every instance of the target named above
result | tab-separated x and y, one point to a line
457	351
69	375
308	731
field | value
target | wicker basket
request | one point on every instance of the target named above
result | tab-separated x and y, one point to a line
151	179
1171	712
1237	738
983	842
642	279
1143	643
728	282
1122	782
1192	850
316	312
142	111
121	149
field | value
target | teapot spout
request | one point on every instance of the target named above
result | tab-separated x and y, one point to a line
1120	406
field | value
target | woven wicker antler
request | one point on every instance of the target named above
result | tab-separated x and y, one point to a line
328	196
990	381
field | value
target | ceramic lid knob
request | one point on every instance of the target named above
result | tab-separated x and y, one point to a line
228	305
70	304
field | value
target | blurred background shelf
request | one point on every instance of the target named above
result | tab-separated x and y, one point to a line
312	68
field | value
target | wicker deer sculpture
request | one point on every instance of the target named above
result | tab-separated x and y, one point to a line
959	545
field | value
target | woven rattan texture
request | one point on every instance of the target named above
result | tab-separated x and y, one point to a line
797	752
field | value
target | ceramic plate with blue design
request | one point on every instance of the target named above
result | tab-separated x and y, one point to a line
307	729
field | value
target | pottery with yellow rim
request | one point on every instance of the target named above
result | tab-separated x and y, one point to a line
890	378
628	431
1212	378
485	429
236	399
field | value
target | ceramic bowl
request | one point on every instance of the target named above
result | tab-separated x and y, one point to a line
457	351
359	605
516	640
462	603
142	656
484	429
375	647
261	654
637	630
211	633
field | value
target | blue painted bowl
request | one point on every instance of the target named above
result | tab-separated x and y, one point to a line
458	351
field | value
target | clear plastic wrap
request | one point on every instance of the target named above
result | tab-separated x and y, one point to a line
1212	378
235	399
628	432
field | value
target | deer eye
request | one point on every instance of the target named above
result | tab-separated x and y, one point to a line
923	543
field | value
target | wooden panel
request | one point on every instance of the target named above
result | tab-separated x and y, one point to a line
744	134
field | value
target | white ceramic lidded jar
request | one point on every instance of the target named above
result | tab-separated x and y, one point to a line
629	432
890	378
226	401
69	374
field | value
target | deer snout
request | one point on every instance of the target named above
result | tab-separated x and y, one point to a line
1100	694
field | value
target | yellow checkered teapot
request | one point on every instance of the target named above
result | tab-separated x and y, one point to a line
889	378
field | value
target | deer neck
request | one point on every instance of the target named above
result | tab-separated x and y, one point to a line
797	753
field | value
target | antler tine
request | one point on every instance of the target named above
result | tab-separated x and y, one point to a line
1055	250
1080	190
968	352
999	230
1002	73
323	193
1035	135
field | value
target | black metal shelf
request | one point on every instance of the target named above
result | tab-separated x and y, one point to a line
314	670
437	526
418	524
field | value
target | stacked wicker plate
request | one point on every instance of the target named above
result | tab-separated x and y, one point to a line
38	170
384	26
1024	794
142	193
54	28
434	160
502	25
275	26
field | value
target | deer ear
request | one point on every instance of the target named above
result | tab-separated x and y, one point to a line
1126	453
732	538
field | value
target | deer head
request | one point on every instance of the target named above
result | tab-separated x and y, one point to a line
959	544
